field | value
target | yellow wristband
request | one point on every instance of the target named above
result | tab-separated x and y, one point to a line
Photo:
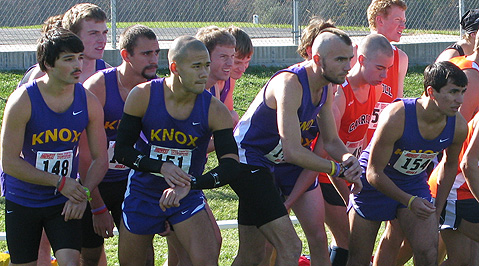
333	168
410	202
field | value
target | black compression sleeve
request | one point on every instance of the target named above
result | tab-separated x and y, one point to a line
228	169
225	142
223	174
125	153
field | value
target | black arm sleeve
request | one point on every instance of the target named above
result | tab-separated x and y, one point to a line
125	153
221	175
228	169
225	142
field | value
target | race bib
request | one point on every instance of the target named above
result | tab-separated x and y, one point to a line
58	163
411	163
276	155
378	108
355	147
180	157
113	164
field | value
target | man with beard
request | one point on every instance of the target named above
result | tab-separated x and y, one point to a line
139	50
270	132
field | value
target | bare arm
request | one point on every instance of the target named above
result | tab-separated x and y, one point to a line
102	223
447	54
469	107
99	159
96	85
286	99
447	173
97	146
390	128
334	145
470	161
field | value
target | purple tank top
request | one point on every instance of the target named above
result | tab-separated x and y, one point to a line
257	131
412	153
224	92
183	142
50	144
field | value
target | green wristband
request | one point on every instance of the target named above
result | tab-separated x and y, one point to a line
88	194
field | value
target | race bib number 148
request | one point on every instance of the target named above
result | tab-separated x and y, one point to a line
58	163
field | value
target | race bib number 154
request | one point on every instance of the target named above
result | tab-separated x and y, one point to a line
411	163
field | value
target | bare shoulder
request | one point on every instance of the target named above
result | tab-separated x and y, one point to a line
286	80
141	90
392	119
402	55
96	84
472	76
94	106
447	54
19	104
138	99
284	87
394	111
403	62
219	117
19	97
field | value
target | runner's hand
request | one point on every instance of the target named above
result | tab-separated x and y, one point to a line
103	224
73	210
174	175
422	208
171	196
73	191
353	173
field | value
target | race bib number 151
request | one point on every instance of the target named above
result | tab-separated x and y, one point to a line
180	157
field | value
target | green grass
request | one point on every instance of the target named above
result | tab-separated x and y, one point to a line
223	201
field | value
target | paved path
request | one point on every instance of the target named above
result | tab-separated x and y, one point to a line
12	39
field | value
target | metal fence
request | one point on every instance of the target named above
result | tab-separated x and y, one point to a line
266	21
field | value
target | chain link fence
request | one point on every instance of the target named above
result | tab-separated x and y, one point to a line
268	22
